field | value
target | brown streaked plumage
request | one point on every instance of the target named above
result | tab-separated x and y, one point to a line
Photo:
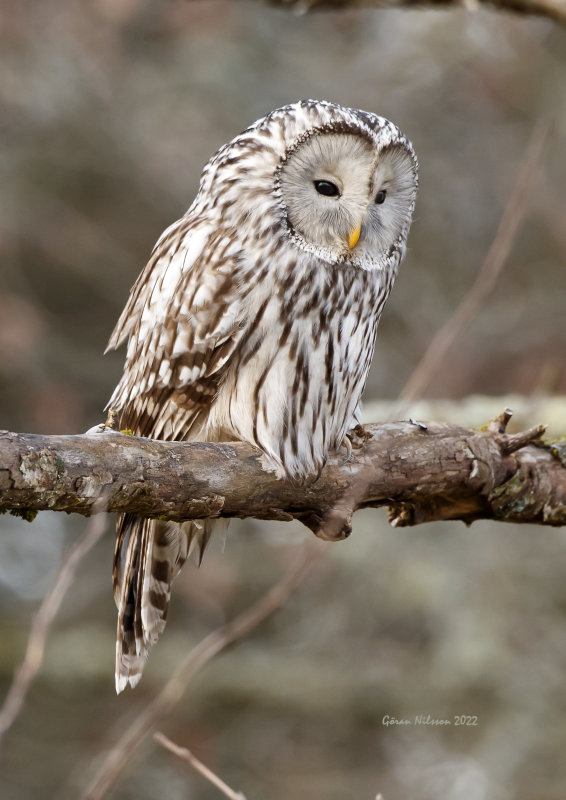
256	319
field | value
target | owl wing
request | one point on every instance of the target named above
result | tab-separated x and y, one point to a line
184	319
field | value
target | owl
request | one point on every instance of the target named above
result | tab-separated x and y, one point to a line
256	318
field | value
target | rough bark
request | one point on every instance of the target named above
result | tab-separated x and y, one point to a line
421	471
552	9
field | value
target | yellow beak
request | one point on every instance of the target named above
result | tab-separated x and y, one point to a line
354	235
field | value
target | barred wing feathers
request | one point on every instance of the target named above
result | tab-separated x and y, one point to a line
183	321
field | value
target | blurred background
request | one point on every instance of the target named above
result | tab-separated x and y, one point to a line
109	110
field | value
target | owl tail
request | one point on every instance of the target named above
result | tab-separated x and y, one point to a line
148	556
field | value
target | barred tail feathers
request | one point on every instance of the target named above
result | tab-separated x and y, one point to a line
148	556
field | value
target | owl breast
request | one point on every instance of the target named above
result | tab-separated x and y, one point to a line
294	385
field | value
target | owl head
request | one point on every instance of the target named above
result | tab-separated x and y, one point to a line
336	182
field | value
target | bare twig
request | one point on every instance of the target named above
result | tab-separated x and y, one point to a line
499	423
43	620
490	271
144	724
516	441
186	755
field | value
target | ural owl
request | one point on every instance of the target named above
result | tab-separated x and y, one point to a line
256	318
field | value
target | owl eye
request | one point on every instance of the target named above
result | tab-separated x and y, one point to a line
327	188
380	196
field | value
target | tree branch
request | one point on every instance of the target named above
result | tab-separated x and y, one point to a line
421	471
552	9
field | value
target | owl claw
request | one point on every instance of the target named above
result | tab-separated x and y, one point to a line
113	419
347	444
100	428
111	424
354	440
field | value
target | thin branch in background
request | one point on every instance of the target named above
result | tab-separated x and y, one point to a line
144	724
186	755
553	9
43	620
491	269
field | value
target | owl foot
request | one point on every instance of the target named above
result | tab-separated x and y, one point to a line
113	420
355	439
111	424
102	427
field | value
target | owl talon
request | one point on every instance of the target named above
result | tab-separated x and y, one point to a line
113	420
355	440
347	445
102	427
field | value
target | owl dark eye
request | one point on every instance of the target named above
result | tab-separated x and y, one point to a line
327	188
380	196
